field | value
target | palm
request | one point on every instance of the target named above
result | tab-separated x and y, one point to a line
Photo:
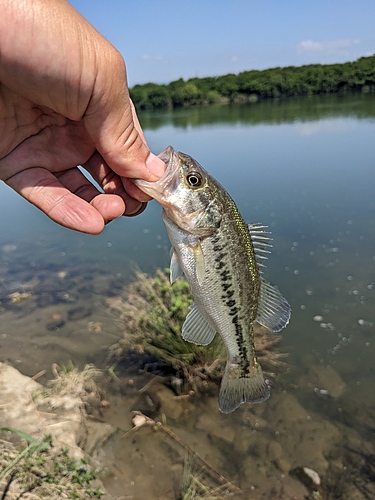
42	167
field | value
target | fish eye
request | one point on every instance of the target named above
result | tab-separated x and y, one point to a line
194	180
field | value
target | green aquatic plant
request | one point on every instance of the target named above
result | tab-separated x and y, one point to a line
153	313
43	471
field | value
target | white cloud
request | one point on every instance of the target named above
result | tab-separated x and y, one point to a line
325	47
234	59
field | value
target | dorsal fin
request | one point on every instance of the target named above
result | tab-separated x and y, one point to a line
261	242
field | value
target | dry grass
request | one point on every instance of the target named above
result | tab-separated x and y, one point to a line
72	382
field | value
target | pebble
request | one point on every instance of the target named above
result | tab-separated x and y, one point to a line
313	475
318	318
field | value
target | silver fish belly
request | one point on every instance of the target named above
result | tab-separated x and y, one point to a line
219	255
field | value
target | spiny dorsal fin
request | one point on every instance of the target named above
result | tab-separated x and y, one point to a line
260	240
196	328
273	309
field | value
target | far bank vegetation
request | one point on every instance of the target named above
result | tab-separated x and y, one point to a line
250	86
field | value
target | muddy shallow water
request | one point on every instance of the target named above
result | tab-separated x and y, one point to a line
305	168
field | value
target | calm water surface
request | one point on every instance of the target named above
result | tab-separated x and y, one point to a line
304	167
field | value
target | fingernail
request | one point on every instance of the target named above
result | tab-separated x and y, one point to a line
155	165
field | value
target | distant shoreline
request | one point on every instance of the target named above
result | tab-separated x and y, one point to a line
254	85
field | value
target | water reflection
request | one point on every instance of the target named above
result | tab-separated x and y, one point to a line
305	167
277	111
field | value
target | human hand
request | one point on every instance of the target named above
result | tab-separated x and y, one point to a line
64	102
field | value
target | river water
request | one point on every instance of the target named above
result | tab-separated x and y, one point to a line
305	168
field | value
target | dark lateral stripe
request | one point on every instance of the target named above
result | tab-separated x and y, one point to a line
227	287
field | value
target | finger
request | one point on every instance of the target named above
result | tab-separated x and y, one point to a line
111	126
137	125
110	206
112	183
46	192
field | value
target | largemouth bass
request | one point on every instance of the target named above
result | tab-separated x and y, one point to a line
220	256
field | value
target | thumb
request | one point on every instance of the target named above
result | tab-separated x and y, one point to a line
112	123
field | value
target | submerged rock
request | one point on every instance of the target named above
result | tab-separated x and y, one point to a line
324	380
309	478
79	313
312	475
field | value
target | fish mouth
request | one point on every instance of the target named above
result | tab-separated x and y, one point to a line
168	182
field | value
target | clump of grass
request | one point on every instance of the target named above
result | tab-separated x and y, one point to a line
71	381
153	313
41	471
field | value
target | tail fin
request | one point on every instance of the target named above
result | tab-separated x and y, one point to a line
237	389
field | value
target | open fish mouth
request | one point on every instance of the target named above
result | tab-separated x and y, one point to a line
163	188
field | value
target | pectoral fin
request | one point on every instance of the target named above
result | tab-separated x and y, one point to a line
196	329
175	268
199	260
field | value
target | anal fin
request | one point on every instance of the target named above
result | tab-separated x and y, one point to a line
273	309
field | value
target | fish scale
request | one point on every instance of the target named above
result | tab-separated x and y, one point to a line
219	255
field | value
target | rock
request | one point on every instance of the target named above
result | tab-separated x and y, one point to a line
282	464
97	433
309	478
216	428
313	475
172	407
79	313
17	297
318	318
147	403
324	380
275	454
274	450
26	409
55	324
299	433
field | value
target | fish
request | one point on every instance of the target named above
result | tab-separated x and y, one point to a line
222	259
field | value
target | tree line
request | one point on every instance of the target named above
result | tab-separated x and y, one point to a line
253	85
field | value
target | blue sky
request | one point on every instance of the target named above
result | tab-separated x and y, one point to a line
163	40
